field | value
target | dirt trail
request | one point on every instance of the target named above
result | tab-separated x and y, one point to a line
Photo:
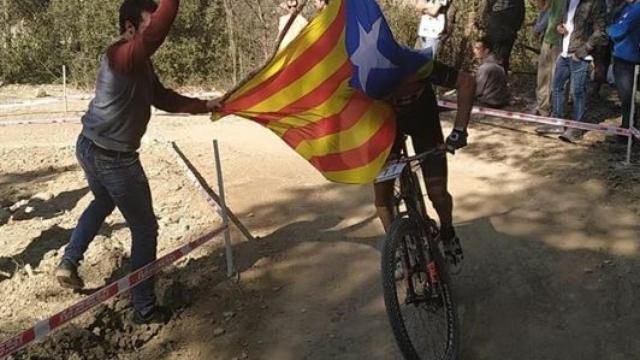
550	232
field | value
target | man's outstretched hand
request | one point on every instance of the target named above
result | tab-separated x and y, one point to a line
456	140
214	105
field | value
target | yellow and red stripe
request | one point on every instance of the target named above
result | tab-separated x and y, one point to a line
304	96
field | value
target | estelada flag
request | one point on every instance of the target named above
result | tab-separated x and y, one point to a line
320	93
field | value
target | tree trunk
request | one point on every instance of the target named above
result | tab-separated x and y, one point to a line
7	24
265	32
233	49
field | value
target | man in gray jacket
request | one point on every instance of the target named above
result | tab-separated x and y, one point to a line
491	79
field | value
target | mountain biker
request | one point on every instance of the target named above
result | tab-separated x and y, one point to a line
417	116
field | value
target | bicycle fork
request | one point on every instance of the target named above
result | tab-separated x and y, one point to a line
430	284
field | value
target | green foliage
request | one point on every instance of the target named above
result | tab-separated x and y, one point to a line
45	34
403	21
37	37
196	49
463	18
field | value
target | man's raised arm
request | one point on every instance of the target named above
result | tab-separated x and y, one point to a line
126	56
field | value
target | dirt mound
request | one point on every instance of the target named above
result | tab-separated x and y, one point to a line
550	232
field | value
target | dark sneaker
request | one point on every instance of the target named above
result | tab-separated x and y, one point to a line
617	139
572	135
157	315
452	250
67	275
550	130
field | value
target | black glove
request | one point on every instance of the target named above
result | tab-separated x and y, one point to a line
456	140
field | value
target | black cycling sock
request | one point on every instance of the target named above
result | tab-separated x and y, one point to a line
447	233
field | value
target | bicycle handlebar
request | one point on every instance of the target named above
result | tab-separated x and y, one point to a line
421	156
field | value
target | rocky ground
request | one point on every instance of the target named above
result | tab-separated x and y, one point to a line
550	232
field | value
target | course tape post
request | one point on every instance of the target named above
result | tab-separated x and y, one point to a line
545	120
46	326
205	190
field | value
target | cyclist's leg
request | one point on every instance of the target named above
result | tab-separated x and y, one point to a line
434	171
383	192
426	134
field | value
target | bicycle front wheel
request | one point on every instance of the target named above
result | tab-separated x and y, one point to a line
422	314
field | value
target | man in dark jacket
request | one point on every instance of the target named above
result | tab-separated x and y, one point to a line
112	128
625	34
582	30
502	21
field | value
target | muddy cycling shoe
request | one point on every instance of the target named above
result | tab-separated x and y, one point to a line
572	135
452	250
67	275
157	315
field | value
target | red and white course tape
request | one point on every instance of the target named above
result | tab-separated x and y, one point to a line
39	122
545	120
44	327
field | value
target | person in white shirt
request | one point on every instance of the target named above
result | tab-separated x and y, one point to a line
582	30
299	23
432	22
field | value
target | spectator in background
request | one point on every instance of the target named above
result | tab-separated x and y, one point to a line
602	54
320	4
502	21
491	79
549	52
107	147
296	27
625	34
583	29
540	25
432	22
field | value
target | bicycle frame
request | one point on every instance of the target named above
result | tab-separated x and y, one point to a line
414	269
410	193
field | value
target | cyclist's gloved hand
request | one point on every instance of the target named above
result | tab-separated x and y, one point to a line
456	140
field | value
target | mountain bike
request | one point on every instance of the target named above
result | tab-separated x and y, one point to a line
416	284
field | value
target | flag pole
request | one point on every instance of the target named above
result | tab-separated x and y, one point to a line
246	79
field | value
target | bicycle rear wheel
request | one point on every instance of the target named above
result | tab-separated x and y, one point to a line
423	319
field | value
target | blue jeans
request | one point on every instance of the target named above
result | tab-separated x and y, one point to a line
576	71
623	72
117	180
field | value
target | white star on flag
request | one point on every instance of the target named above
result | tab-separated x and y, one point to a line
367	57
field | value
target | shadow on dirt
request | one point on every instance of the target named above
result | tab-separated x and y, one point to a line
23	185
521	295
49	240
